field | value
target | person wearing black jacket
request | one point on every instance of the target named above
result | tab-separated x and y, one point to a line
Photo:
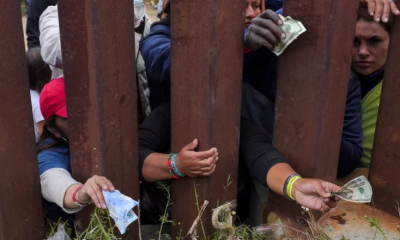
36	8
257	155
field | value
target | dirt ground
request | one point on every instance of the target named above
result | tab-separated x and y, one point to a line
150	10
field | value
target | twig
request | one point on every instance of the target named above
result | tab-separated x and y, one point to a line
196	221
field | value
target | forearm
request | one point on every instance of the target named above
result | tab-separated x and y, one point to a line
56	185
155	168
277	176
68	203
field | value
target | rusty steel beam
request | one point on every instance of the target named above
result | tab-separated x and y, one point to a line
98	47
206	75
312	86
385	167
21	210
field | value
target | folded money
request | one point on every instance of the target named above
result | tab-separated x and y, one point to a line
358	190
122	225
292	29
120	208
118	204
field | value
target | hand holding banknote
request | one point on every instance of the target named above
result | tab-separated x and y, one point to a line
264	31
92	191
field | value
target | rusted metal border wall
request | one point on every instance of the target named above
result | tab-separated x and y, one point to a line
21	211
312	86
385	163
206	76
98	48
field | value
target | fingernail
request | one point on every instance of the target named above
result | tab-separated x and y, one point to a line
283	35
377	19
372	13
98	205
397	11
104	206
105	187
280	22
386	19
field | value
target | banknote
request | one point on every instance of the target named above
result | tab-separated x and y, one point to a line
292	29
123	225
358	190
118	204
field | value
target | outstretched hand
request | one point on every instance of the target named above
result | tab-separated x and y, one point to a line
315	194
381	9
196	164
264	31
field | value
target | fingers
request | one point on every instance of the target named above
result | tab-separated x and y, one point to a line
330	187
386	11
209	173
378	9
371	7
265	27
394	8
269	14
207	163
331	203
325	207
105	184
94	189
205	154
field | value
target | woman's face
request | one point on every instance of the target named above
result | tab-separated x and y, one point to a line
370	48
253	9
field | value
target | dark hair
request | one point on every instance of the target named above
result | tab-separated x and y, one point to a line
47	134
39	72
365	16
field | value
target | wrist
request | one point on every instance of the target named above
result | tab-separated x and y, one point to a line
76	199
289	186
295	188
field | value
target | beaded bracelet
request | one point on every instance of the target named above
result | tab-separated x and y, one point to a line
174	167
287	188
169	166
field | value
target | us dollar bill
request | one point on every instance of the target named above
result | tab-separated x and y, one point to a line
358	190
292	29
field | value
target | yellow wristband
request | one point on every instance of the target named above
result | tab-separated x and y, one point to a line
290	186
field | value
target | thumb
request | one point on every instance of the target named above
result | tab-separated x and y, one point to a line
191	146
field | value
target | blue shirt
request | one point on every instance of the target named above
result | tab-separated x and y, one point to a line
54	157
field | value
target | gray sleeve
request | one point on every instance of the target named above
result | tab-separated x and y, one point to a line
54	184
50	37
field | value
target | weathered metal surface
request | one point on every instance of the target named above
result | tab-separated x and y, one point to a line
347	221
206	75
385	163
99	66
312	86
21	210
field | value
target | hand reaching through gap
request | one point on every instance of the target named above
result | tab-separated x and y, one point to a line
196	164
264	31
315	194
92	190
381	9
